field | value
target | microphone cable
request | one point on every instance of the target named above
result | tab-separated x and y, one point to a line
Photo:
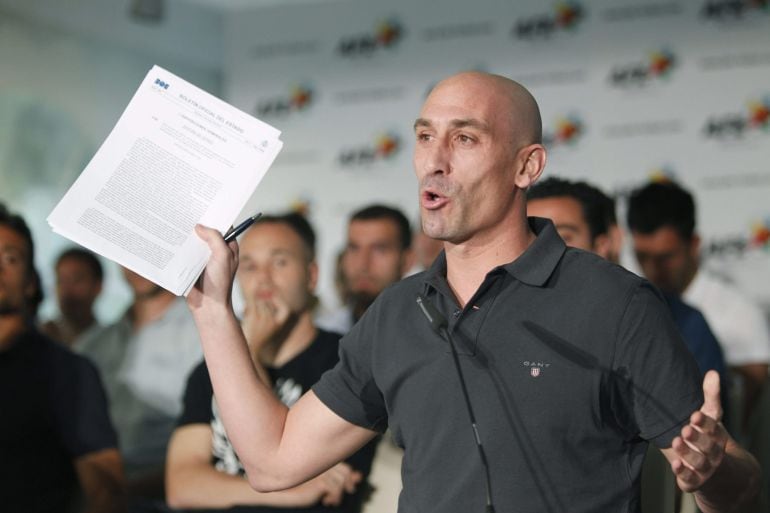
439	324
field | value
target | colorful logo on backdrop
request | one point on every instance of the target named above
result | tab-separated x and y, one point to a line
658	66
567	132
731	10
384	147
565	17
385	36
755	238
754	119
298	99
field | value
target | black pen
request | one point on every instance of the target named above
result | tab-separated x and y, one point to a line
234	232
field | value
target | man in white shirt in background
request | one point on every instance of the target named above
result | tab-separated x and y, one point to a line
144	359
661	218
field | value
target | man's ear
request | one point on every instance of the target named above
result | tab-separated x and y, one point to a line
312	276
530	164
695	246
407	261
603	246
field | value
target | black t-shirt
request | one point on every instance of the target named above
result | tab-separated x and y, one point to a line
572	364
289	382
52	410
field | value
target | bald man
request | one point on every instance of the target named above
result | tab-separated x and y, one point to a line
558	348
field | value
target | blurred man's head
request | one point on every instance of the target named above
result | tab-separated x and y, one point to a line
79	278
277	261
142	288
20	290
661	218
378	253
583	215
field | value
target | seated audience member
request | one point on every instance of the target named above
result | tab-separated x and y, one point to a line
585	217
277	274
661	218
79	277
378	253
145	358
57	446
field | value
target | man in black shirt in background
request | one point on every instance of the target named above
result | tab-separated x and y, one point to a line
57	445
278	274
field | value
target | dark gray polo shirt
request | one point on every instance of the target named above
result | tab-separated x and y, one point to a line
572	364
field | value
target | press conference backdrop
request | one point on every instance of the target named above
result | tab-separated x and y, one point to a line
629	90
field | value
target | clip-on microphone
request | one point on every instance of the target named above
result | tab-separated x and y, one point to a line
439	324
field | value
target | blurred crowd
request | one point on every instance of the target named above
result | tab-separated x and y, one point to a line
122	416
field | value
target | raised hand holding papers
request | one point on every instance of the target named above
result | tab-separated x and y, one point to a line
176	157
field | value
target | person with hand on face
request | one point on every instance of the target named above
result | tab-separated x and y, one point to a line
277	274
569	360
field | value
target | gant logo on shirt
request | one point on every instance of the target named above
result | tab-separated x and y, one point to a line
535	368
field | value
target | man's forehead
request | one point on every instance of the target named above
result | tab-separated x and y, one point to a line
271	236
372	229
10	239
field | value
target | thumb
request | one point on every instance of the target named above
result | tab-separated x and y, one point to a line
712	405
210	236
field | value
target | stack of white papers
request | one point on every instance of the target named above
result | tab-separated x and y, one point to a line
177	156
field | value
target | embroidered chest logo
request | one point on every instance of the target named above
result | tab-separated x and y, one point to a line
535	368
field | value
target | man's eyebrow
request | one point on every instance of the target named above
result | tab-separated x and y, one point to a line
421	122
455	123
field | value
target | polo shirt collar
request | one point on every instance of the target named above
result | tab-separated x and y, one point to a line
533	267
540	259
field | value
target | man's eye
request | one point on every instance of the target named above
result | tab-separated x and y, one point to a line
465	139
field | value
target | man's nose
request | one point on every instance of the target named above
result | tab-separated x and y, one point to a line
435	158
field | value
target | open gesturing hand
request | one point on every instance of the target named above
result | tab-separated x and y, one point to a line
700	448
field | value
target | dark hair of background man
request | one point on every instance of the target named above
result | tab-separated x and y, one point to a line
598	208
85	256
376	212
662	204
299	224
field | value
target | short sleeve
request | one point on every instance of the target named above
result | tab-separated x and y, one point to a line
80	407
659	380
197	397
349	389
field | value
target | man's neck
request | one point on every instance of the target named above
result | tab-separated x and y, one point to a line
288	344
468	263
11	326
77	324
149	309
